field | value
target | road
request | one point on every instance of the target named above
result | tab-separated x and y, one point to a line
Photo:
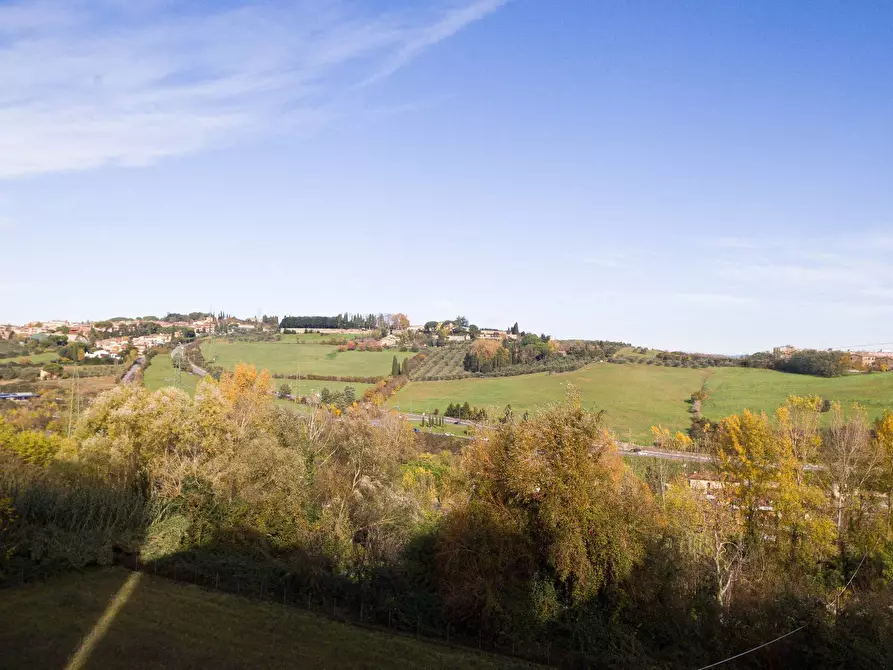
196	370
625	448
131	373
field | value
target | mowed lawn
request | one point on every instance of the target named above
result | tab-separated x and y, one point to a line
161	373
289	358
166	625
636	397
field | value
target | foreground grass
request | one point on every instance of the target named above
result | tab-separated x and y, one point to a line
287	357
636	397
168	625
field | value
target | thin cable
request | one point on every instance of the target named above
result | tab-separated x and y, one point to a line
745	653
781	637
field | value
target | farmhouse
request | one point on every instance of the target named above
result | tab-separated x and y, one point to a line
491	334
872	360
704	481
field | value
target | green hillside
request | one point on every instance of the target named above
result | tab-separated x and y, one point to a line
289	358
636	397
166	625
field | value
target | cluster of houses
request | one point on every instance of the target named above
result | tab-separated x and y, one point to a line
109	347
74	330
872	360
112	347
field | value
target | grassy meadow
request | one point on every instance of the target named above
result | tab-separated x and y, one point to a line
34	359
287	357
636	397
318	338
161	373
167	625
307	386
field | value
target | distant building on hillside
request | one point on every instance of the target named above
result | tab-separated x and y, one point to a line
704	481
872	360
491	334
785	351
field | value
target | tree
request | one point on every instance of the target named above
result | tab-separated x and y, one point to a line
552	508
431	326
395	367
474	331
54	369
399	321
284	390
460	322
851	461
404	367
514	329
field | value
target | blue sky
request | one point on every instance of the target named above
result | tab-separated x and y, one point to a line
705	176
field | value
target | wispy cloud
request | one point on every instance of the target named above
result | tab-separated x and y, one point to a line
88	83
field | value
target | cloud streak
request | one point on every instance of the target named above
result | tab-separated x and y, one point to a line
86	84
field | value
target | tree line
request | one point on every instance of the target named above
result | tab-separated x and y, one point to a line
346	320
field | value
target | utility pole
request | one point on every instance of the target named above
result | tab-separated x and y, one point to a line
74	404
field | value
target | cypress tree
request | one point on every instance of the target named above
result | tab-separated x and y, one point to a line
395	368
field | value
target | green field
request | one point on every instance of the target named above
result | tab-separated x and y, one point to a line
317	338
161	373
160	624
307	386
36	359
636	397
446	429
289	358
